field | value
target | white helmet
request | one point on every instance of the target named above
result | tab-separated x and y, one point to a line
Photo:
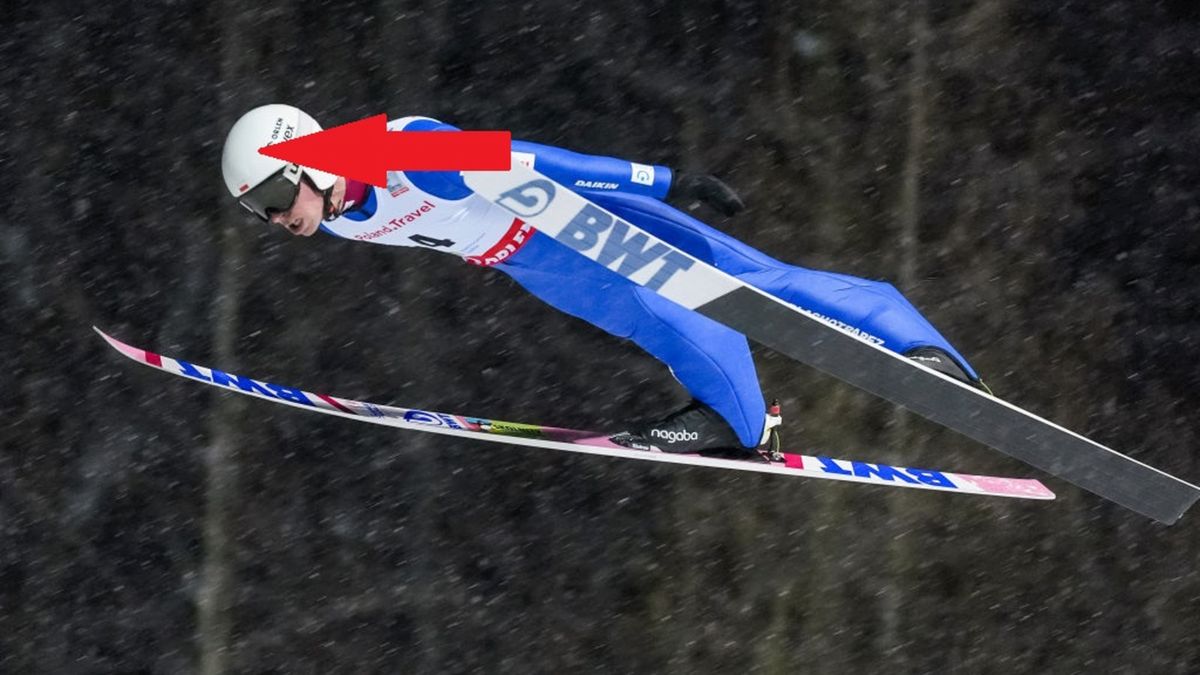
263	184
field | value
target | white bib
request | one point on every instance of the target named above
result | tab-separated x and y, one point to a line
472	227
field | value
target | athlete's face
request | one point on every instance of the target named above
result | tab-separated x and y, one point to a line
305	214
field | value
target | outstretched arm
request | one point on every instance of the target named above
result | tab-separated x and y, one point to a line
594	173
583	173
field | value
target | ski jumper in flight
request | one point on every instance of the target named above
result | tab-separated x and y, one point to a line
436	210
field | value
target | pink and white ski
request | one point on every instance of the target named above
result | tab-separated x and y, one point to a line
588	442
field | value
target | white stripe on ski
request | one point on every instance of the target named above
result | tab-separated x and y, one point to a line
583	441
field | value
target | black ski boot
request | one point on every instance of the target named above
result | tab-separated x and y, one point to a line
937	359
696	428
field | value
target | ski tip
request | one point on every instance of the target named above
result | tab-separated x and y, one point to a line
140	355
112	341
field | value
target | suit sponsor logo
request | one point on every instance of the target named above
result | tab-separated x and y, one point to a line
846	327
596	185
608	240
642	174
600	236
510	243
398	222
528	199
411	217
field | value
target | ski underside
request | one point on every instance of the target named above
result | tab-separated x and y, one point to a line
588	442
812	339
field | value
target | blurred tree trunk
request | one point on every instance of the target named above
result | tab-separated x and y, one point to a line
217	577
407	83
903	562
217	583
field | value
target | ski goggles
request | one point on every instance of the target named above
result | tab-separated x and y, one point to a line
275	194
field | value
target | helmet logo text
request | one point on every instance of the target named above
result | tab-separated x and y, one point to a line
287	133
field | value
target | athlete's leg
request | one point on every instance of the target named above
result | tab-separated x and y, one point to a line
713	362
873	307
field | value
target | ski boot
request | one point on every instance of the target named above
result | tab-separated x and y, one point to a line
694	428
698	429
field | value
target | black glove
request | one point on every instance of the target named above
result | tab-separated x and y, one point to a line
708	189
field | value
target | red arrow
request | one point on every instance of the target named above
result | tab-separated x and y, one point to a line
365	150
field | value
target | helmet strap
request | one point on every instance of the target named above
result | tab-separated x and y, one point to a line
326	196
327	193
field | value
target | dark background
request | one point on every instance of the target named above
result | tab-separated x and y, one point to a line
1025	171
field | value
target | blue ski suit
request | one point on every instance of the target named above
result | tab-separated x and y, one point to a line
711	361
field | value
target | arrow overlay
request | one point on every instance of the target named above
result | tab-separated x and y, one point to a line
365	150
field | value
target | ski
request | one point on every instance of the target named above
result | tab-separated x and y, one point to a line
814	340
588	442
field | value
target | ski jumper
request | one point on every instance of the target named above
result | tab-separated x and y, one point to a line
435	209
